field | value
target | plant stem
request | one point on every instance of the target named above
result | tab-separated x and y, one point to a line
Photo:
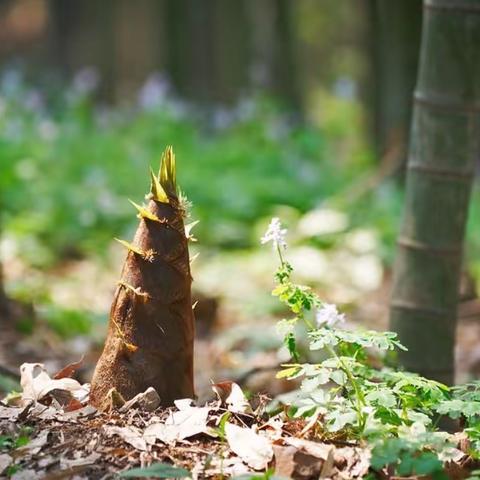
279	250
360	399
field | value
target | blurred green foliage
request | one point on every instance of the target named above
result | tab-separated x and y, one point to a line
68	166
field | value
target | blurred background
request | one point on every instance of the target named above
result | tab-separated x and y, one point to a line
291	108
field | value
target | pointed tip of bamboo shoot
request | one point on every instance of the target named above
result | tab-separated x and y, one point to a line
156	189
168	172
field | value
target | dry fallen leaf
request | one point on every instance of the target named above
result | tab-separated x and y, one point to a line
186	422
273	428
219	467
10	413
28	474
303	460
73	405
73	416
5	461
42	412
284	460
36	383
355	461
319	450
69	370
232	396
254	449
67	463
149	400
131	435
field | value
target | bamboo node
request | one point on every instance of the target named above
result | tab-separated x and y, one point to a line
425	247
420	308
453	6
441	173
436	102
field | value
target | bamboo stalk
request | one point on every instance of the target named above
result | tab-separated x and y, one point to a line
445	141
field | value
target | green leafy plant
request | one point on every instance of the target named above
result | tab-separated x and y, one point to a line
409	457
397	412
464	405
10	442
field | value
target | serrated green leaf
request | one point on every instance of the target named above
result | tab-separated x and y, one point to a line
312	383
382	397
323	337
337	419
427	463
279	290
388	416
285	327
456	408
339	377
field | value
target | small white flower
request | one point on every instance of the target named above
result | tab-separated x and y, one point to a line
275	234
329	315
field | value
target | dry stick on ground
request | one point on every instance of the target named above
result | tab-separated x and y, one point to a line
151	328
443	149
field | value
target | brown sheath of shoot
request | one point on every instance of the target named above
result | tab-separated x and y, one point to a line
151	328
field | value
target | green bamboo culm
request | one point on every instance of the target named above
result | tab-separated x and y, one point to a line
151	328
444	145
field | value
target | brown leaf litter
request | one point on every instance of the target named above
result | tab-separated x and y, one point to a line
227	437
222	439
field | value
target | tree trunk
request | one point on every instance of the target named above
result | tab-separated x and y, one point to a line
139	44
274	66
444	145
397	28
151	328
207	49
82	35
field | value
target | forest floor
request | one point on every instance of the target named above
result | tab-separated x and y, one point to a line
214	441
48	441
54	439
57	435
